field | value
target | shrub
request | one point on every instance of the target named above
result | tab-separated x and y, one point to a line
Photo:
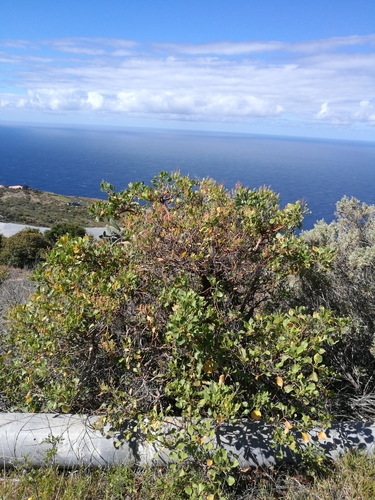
15	288
23	249
62	228
181	313
348	288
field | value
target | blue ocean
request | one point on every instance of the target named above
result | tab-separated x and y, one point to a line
74	161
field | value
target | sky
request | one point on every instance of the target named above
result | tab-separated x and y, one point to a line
276	67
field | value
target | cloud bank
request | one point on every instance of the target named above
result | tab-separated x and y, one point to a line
329	81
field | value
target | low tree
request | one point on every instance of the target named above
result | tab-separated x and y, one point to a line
62	228
182	312
24	249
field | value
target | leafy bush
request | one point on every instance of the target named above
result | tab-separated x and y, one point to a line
62	228
23	249
181	313
15	288
348	288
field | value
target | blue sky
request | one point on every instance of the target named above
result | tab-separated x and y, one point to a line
277	67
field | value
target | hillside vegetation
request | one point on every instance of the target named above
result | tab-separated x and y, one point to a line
41	208
203	306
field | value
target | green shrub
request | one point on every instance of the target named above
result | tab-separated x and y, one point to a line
348	288
181	313
62	228
23	249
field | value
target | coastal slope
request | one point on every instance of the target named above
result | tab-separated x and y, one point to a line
33	207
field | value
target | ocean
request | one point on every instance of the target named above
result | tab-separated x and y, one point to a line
74	161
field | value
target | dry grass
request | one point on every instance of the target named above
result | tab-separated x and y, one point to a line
352	478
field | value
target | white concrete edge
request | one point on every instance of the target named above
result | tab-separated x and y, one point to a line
71	441
8	229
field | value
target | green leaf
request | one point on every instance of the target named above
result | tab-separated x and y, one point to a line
188	490
318	359
230	480
200	488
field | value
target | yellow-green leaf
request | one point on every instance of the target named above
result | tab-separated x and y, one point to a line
317	358
292	446
188	491
230	480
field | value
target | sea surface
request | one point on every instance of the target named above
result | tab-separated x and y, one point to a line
74	161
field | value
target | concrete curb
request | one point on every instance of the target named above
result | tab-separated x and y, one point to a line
9	229
71	441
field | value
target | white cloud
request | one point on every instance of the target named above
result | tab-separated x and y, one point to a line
324	111
17	44
314	82
194	106
365	112
236	48
91	46
95	99
54	100
219	48
334	117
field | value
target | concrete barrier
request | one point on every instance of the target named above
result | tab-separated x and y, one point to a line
9	229
72	441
